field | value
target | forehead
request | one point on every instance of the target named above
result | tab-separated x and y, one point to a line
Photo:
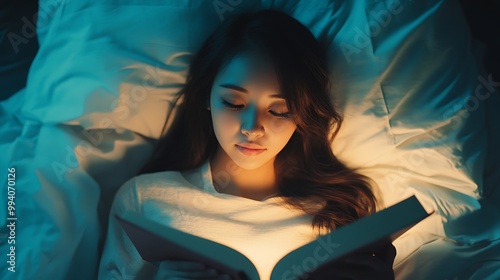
247	69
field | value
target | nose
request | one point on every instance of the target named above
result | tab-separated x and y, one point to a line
251	126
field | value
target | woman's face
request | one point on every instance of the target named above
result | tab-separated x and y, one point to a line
248	110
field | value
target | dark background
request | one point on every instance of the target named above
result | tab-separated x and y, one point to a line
483	17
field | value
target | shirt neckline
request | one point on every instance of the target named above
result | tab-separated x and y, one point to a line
209	186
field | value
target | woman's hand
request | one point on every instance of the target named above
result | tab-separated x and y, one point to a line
359	266
186	270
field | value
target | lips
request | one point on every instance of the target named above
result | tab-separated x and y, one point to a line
250	149
251	146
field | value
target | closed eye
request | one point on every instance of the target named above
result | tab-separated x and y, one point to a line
286	115
235	107
232	106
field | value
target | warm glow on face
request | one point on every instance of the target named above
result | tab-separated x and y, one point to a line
247	107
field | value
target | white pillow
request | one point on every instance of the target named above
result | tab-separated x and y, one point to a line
408	94
404	92
405	81
107	64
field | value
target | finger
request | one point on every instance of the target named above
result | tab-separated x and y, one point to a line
181	265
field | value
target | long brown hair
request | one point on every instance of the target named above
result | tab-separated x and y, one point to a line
307	171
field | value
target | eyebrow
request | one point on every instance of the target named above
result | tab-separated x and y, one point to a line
243	90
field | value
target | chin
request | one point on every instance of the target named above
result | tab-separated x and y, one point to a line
249	163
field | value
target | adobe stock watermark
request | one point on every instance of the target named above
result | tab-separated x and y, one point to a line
482	92
46	10
416	159
371	29
122	108
82	149
221	181
223	6
322	252
11	218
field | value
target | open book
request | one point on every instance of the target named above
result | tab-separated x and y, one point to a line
156	242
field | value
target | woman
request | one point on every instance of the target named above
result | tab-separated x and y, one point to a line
248	160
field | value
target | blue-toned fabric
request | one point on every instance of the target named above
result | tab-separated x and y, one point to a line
18	44
420	118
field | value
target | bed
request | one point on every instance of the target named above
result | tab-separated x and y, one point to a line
421	118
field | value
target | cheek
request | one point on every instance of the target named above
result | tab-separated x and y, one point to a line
280	127
282	131
224	123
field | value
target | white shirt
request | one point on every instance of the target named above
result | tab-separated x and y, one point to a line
264	231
